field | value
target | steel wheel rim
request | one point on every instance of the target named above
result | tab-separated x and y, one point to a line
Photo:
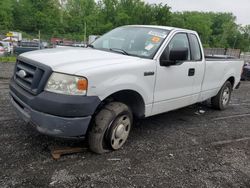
225	96
120	131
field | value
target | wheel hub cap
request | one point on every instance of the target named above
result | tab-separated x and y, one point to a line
120	130
225	96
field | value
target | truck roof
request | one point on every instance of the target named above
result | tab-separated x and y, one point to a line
162	27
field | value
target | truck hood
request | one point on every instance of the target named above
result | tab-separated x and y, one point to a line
71	60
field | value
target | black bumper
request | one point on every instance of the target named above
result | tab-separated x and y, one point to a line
54	114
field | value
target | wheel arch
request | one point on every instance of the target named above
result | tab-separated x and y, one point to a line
231	80
129	97
230	76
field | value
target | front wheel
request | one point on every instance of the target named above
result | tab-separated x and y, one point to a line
222	99
110	128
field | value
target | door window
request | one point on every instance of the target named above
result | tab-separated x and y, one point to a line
180	40
195	48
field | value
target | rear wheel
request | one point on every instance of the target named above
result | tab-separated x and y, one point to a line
222	99
110	128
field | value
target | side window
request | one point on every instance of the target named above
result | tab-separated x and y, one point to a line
195	48
179	41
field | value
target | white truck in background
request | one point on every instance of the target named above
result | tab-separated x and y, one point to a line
130	72
17	35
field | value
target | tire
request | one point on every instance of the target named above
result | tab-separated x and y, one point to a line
110	128
222	99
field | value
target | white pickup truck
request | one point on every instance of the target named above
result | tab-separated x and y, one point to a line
131	72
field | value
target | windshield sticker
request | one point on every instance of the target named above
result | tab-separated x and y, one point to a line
157	34
155	39
149	47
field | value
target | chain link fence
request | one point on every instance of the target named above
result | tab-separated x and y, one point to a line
222	51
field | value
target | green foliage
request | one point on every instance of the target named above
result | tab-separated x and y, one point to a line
8	59
6	17
68	20
197	21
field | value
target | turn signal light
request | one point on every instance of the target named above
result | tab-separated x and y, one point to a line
82	84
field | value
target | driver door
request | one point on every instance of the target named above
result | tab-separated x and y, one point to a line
174	83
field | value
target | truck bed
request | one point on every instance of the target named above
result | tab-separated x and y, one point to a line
220	58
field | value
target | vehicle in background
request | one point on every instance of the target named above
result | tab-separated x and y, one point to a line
246	72
16	35
7	47
2	50
61	41
79	45
45	44
27	47
62	46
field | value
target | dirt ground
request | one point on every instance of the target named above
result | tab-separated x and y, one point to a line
182	148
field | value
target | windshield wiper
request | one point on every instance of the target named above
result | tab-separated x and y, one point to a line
90	45
119	51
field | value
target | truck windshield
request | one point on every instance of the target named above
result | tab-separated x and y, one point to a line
131	40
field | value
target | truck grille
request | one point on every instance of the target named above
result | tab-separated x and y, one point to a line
31	76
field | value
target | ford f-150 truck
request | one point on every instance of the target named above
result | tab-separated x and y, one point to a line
130	72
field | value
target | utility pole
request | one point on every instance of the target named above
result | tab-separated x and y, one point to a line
61	4
39	37
249	41
85	32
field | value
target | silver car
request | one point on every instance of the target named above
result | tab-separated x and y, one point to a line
7	46
2	50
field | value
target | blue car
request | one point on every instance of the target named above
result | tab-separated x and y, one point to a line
246	72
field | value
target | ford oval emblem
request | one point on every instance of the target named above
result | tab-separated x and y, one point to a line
22	73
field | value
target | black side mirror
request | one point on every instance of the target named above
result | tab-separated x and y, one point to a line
175	55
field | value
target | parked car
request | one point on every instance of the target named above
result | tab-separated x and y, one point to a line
246	72
79	45
24	46
7	46
2	51
130	72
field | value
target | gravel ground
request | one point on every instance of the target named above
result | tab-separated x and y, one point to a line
178	149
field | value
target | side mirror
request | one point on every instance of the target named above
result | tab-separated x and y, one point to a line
175	55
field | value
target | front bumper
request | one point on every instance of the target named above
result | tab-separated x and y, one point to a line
54	114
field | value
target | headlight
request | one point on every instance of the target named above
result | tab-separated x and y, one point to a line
67	84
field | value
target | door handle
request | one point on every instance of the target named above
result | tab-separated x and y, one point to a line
191	72
151	73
